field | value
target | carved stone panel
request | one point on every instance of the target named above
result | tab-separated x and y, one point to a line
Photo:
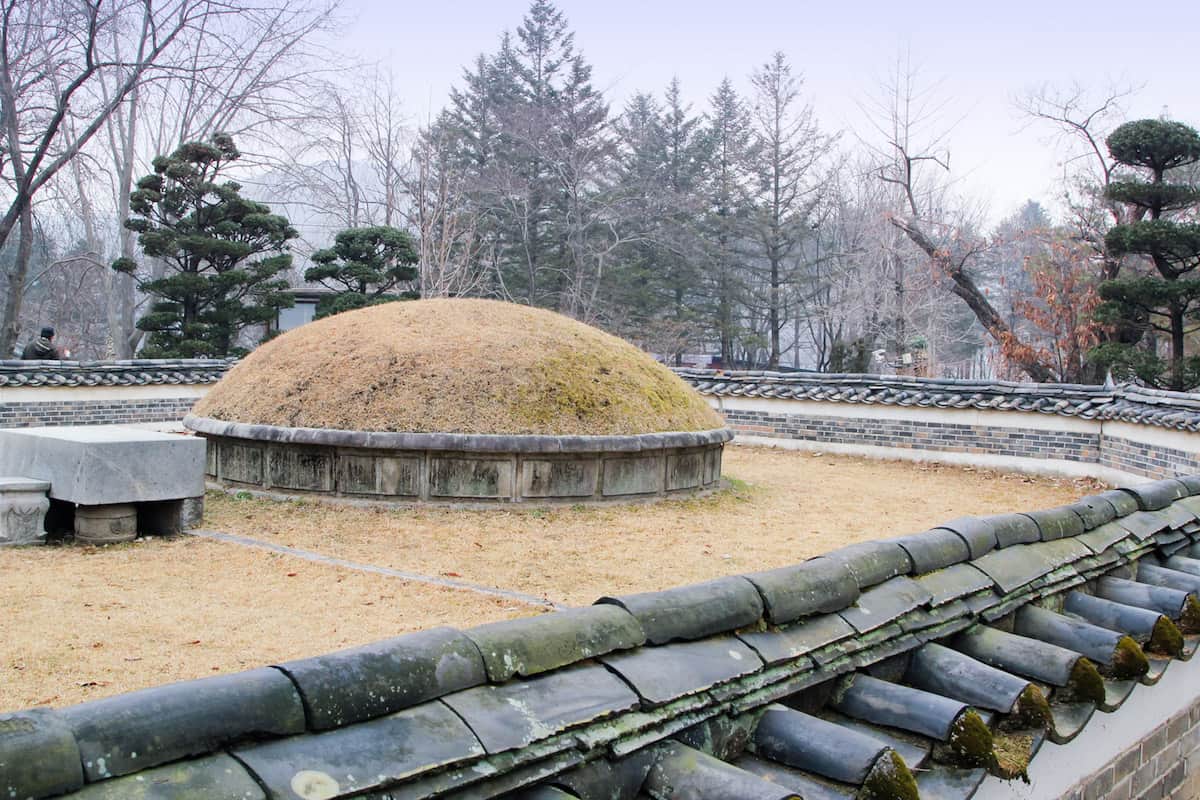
559	477
240	463
685	470
23	506
380	475
624	476
470	477
307	470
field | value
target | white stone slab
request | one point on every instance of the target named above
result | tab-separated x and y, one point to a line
103	464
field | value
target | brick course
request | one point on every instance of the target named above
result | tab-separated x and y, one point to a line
1152	461
1165	765
920	435
94	412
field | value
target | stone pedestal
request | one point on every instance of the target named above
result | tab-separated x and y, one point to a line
108	524
23	506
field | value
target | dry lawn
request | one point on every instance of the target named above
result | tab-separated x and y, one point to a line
83	623
786	506
456	366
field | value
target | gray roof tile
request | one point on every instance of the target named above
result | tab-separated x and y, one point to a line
886	602
531	645
1013	529
38	755
979	533
382	677
799	639
665	673
873	562
953	582
693	612
131	732
1057	523
934	549
216	776
817	586
520	712
366	756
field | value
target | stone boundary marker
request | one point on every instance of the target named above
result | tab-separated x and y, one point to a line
460	468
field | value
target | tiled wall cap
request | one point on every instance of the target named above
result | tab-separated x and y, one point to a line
873	562
693	612
132	732
1158	494
532	645
383	677
818	586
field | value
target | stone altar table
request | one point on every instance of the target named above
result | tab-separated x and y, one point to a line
158	477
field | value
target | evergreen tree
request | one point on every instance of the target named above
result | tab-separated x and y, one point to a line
688	153
223	254
364	266
1165	300
788	146
725	224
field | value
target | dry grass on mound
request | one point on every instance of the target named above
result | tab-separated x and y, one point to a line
457	366
81	623
788	506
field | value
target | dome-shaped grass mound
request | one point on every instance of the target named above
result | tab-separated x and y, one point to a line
456	366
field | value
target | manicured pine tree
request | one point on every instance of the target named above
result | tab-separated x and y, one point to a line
1166	299
364	266
223	254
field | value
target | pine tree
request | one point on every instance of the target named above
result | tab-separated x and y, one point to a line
223	253
788	147
1166	302
725	227
364	266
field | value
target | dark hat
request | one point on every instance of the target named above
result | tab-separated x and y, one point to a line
48	332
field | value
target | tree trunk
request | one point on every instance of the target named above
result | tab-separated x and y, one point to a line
16	284
1177	345
977	301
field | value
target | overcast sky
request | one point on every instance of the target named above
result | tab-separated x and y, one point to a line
980	56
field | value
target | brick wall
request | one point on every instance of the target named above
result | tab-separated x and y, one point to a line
1163	766
1152	460
920	435
1007	440
93	412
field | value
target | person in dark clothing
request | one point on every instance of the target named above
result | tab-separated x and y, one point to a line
42	348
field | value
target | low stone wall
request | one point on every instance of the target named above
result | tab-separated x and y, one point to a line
47	393
400	467
1113	433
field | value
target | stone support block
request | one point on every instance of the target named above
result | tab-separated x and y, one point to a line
23	506
108	524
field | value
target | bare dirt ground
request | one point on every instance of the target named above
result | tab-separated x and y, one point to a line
83	623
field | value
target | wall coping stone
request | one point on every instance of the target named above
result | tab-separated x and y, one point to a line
1115	402
130	372
466	442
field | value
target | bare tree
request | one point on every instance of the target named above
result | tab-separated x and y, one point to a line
951	242
54	56
450	246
